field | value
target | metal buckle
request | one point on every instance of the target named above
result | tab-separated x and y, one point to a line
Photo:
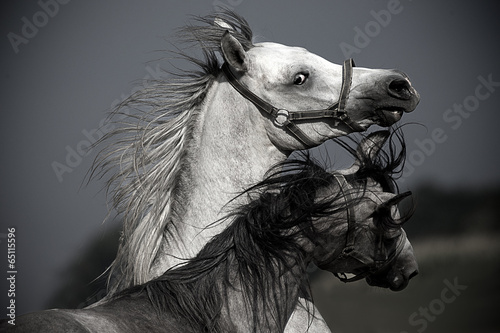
343	115
339	116
282	118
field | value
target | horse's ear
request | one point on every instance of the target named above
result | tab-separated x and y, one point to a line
394	200
386	206
233	52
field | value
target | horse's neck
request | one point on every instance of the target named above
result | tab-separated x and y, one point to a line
227	153
258	292
268	310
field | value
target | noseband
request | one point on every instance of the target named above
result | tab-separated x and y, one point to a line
285	118
381	259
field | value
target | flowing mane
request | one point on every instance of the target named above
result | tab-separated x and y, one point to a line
148	152
252	276
262	241
184	146
385	167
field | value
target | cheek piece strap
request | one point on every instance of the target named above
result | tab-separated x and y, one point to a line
372	263
286	119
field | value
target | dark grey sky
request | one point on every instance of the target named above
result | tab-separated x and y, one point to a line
86	55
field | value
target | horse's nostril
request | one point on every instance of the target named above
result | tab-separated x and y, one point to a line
415	273
400	88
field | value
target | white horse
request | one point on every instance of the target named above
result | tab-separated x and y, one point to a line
208	134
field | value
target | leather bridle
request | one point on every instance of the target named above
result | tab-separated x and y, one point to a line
286	119
380	260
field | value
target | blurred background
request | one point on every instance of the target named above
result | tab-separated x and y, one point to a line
65	64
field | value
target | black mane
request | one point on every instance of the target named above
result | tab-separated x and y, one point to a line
262	242
386	167
259	242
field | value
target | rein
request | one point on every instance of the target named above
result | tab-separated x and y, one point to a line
380	260
285	118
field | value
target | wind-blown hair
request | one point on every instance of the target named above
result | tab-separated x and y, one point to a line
263	242
384	168
148	153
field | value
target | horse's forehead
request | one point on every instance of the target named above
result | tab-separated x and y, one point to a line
376	189
376	193
280	53
270	46
373	195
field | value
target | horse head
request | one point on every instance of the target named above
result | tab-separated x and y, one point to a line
309	98
376	246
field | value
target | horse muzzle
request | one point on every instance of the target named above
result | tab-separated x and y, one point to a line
394	279
400	97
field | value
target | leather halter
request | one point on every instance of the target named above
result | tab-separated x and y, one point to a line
373	265
285	118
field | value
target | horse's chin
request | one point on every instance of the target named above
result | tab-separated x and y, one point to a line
384	117
396	283
388	116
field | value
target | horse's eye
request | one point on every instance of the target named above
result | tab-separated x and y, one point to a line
300	79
